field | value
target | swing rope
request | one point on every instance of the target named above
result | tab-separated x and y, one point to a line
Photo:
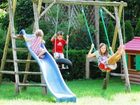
86	22
57	16
105	30
68	31
56	23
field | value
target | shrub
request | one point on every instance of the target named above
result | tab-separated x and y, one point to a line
77	57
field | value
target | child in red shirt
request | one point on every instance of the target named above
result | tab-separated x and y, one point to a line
58	44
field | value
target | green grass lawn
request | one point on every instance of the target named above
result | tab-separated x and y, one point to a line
88	92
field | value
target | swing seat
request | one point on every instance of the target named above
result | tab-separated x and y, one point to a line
106	68
65	62
112	67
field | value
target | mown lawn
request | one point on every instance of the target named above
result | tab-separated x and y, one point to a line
88	92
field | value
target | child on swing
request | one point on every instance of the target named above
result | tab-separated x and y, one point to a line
104	59
36	43
58	44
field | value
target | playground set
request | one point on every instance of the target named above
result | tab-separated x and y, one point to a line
50	74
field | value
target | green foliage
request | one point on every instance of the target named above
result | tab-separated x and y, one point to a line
132	10
2	41
129	31
4	4
102	33
3	14
24	14
110	30
79	39
137	30
4	22
77	57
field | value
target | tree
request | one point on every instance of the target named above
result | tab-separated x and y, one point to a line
137	30
24	14
110	30
129	31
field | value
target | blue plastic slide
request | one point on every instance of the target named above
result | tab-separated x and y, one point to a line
52	76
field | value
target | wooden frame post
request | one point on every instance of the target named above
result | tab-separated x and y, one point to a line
128	88
116	28
97	25
5	51
37	9
87	68
12	6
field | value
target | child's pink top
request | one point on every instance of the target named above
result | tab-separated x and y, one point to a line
36	45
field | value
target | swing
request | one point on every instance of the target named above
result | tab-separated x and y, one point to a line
63	61
112	67
101	67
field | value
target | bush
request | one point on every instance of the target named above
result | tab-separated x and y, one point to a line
77	57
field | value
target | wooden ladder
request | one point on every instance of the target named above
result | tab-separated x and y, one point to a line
11	36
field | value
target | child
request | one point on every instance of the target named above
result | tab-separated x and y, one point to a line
36	43
58	44
104	59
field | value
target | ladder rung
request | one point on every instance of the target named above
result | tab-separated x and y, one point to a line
30	73
37	85
21	72
21	61
24	61
7	72
117	74
21	49
18	37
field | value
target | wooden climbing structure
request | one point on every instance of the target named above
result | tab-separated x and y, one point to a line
11	35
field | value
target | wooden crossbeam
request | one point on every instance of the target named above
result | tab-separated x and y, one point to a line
107	11
44	12
83	2
117	74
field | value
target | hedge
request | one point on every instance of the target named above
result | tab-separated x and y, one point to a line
77	57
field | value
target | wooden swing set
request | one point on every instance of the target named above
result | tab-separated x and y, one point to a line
11	38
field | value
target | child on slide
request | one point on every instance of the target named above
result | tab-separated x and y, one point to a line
103	57
36	43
